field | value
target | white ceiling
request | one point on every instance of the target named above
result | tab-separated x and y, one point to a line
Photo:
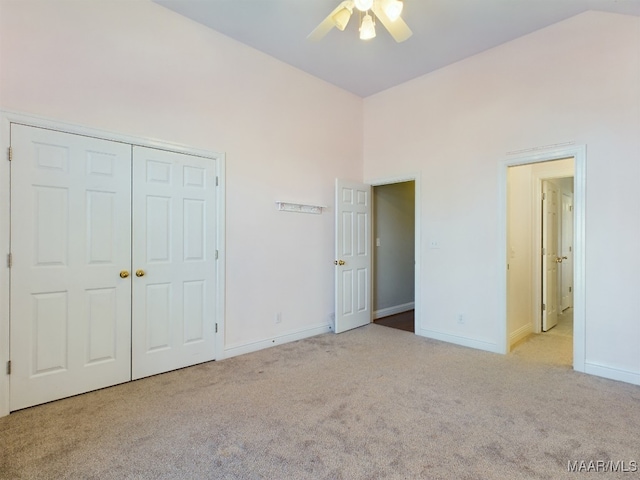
444	31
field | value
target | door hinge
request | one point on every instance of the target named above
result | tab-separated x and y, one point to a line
10	153
544	307
544	196
9	367
570	249
9	260
571	208
570	289
543	251
217	254
216	328
217	182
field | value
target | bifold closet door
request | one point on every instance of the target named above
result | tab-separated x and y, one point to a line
70	240
174	242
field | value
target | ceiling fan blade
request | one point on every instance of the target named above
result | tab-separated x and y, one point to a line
398	29
328	23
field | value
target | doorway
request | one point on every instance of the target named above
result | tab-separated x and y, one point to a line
393	282
529	279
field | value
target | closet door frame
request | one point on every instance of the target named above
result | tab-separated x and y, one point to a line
6	119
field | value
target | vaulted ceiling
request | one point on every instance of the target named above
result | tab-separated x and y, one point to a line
444	31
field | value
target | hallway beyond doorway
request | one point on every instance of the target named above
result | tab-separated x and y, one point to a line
402	321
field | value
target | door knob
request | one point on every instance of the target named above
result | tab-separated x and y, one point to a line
339	262
124	274
139	273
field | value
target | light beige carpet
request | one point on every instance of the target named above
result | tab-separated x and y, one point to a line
371	403
554	347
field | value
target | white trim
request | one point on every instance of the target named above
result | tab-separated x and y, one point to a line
385	312
61	126
460	340
520	334
241	349
579	154
417	290
6	119
612	373
5	212
221	276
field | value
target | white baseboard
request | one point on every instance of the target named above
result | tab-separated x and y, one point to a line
385	312
459	340
235	350
612	373
519	334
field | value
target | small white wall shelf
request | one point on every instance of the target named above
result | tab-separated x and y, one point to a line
299	207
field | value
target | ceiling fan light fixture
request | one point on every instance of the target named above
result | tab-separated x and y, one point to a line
393	9
363	5
367	28
341	18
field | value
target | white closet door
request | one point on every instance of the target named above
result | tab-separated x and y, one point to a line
70	239
174	242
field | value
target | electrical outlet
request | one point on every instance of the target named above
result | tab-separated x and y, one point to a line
279	317
434	244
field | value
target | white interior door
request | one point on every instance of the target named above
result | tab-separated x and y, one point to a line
550	256
353	255
567	251
70	239
174	251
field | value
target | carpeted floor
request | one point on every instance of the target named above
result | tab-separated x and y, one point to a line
371	403
554	347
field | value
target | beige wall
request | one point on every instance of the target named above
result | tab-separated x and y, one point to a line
139	69
575	81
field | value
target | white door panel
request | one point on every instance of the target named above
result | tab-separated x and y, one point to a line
174	245
567	251
353	255
550	255
70	238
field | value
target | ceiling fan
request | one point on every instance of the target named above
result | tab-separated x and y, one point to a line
387	11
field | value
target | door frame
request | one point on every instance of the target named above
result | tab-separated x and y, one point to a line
9	117
414	177
579	154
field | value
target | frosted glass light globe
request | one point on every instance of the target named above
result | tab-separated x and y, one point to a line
363	5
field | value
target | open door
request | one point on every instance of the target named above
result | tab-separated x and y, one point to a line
566	266
353	255
550	258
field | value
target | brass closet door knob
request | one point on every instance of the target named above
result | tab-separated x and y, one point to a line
139	273
124	274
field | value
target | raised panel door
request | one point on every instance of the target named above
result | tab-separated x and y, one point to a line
174	252
353	255
550	255
70	238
